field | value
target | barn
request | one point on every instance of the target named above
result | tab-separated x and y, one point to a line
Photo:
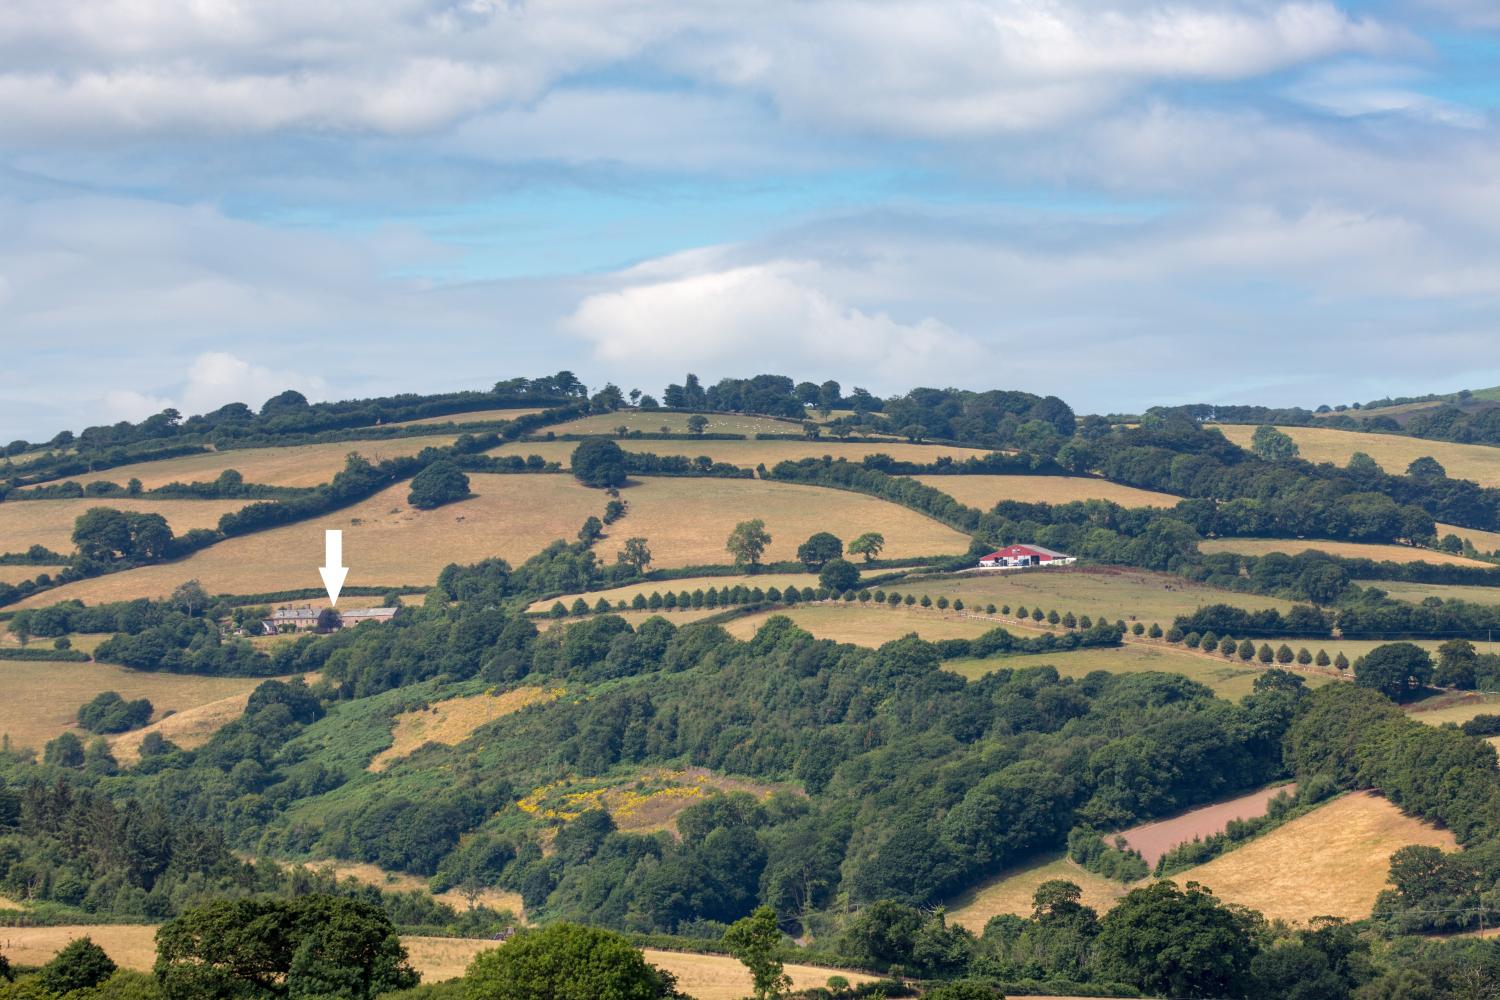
1021	556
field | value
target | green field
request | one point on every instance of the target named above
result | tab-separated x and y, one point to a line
1418	592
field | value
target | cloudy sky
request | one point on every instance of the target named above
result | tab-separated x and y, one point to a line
1122	202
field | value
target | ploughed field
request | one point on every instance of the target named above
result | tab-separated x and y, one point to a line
1347	550
1392	452
1152	840
297	465
983	492
24	523
749	454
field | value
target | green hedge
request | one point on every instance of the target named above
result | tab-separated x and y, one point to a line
35	653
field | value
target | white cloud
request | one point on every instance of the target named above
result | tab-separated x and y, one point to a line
216	378
760	317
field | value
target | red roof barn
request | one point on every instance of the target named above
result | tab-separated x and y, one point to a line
1016	556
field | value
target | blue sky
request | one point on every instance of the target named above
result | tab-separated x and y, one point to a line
1123	203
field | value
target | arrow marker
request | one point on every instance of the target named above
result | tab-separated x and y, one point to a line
333	568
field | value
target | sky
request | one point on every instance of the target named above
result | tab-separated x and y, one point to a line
1122	203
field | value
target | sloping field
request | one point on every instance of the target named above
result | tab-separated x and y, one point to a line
1418	592
15	574
1347	550
983	492
385	542
690	584
678	617
872	625
749	454
648	801
1332	861
1112	592
1456	707
651	422
1484	541
1392	452
133	946
50	522
496	899
1012	892
687	521
1153	840
42	698
299	465
1228	680
452	721
472	417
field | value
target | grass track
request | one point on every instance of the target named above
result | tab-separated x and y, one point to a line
983	492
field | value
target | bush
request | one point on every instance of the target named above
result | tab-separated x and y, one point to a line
441	482
110	713
81	965
599	462
566	962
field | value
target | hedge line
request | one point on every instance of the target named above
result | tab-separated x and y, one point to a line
29	653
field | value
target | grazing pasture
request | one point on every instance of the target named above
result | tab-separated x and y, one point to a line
42	698
1483	541
1347	550
1114	592
687	521
50	522
870	624
295	465
749	454
1418	592
1152	840
1456	707
651	422
1332	861
983	492
472	417
454	720
1392	452
1012	891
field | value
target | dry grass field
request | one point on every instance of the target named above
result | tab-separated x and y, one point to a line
869	624
133	946
647	802
368	874
1392	452
15	574
1228	680
472	417
1332	861
299	465
983	492
635	618
749	454
1109	591
1484	541
687	521
1418	592
1455	707
1348	550
1012	892
690	584
452	721
189	728
50	522
42	698
648	422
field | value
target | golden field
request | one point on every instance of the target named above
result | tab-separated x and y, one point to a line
749	454
24	523
454	720
677	617
872	624
1483	541
651	422
1419	592
189	728
16	574
627	593
983	492
1392	452
1348	550
297	465
1331	862
472	417
42	698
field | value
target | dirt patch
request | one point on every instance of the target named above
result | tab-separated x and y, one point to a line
452	721
1153	840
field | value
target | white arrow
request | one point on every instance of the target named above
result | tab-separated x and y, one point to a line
333	568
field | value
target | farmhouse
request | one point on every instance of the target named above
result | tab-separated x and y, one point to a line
305	618
1019	556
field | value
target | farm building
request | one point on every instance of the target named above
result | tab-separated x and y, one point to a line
1019	556
304	618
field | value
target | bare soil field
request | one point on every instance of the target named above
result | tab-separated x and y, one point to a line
749	454
452	721
42	698
1332	861
1155	839
297	465
50	522
1348	550
1392	452
472	417
983	492
690	584
1114	592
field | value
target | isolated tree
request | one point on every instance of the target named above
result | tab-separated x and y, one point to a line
1272	445
754	940
868	545
697	424
747	543
1426	468
441	482
1397	670
565	962
839	575
190	597
636	554
820	548
599	462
